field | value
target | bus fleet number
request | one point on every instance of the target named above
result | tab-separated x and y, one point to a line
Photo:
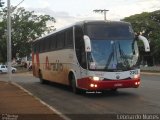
133	72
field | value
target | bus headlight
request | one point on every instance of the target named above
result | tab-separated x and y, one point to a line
137	83
93	85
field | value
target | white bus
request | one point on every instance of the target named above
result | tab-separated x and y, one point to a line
90	55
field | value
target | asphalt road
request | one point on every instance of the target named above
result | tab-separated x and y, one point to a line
142	100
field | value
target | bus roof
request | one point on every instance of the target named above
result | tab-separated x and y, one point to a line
85	22
102	22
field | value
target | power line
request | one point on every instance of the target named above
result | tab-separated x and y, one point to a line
17	5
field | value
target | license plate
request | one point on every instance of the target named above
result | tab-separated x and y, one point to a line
118	85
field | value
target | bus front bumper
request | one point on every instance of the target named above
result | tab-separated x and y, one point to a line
88	84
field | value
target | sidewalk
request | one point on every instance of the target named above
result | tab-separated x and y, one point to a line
17	104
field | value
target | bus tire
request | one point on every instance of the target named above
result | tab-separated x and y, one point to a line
42	81
114	90
73	84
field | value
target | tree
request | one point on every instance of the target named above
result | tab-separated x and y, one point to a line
1	3
148	24
26	27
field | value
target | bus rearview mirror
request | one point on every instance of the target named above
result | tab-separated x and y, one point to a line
145	42
87	43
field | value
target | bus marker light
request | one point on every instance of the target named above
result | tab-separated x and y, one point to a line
136	76
95	85
96	78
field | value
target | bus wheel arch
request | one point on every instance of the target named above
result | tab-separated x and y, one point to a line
72	82
114	90
42	81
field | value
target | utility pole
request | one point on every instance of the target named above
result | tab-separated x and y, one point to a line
9	52
101	11
9	45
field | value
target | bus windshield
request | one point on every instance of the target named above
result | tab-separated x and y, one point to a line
113	48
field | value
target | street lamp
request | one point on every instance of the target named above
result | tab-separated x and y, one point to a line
101	11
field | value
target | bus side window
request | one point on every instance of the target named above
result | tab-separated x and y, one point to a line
41	46
53	44
49	43
60	40
38	47
80	48
46	44
69	38
34	47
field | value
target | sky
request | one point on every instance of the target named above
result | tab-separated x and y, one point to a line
69	11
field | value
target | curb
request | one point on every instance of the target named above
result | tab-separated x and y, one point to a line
150	73
42	102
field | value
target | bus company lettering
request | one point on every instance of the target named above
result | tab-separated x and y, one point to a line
53	66
57	66
35	62
47	65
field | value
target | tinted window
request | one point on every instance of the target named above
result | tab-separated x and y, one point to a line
41	46
38	47
69	37
60	40
53	43
2	66
46	44
109	31
34	47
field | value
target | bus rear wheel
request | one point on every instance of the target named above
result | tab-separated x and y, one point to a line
42	81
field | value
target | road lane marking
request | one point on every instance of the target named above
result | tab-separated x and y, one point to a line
42	102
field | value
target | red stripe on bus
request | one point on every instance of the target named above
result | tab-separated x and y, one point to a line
85	83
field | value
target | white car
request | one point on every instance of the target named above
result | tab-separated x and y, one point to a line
4	69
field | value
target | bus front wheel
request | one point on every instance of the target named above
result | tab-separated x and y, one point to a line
114	90
74	87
